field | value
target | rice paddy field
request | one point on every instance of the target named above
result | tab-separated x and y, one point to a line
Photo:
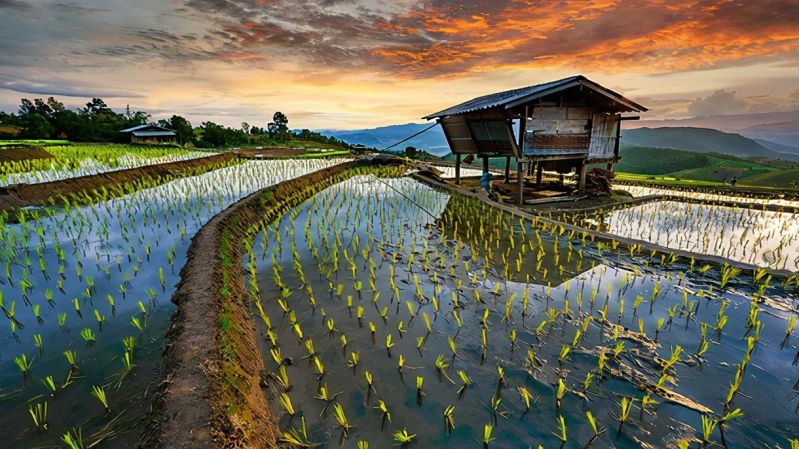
392	313
69	161
85	293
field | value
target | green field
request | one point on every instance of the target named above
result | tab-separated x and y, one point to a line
32	142
667	165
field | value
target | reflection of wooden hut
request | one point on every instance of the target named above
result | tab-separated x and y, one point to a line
149	134
568	124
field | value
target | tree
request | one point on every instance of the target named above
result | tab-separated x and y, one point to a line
278	127
181	126
36	126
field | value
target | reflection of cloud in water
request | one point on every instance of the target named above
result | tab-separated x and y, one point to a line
759	237
398	189
638	191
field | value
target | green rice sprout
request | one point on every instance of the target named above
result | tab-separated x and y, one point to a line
49	383
72	358
488	430
561	434
626	406
527	397
88	335
731	415
403	437
74	439
99	393
341	418
284	400
441	367
38	413
708	425
385	415
23	364
449	420
560	392
728	272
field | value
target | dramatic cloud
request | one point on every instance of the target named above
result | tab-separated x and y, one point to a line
355	63
418	39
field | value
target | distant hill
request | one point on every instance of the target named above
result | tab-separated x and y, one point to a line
432	141
682	164
701	140
778	127
778	147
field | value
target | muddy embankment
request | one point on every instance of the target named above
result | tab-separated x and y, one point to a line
19	154
124	181
212	395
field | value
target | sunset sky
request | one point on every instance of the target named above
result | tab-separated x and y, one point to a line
364	63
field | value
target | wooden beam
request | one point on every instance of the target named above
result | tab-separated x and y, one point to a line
507	169
581	185
458	168
539	173
485	164
520	182
618	138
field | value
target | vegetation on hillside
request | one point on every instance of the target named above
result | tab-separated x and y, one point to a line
710	167
42	119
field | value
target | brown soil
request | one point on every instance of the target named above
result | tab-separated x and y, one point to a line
272	152
23	154
24	195
212	394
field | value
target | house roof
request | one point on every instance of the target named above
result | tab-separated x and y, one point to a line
515	97
141	128
164	133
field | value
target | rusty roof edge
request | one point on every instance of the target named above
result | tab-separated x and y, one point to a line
515	100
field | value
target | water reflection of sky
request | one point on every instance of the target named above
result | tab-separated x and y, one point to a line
381	218
759	237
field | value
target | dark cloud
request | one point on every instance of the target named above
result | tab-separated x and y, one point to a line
15	4
58	87
73	7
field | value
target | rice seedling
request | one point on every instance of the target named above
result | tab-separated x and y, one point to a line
38	413
561	434
298	437
708	425
98	391
403	437
488	430
342	420
626	406
449	420
385	415
74	439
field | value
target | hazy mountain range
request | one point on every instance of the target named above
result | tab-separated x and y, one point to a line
768	135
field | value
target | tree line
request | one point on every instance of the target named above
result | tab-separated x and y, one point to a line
96	122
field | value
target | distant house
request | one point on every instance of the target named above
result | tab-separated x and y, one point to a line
149	134
563	125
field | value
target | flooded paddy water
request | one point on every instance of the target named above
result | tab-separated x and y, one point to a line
85	293
395	314
760	237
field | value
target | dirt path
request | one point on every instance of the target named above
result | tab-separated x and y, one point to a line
23	154
24	195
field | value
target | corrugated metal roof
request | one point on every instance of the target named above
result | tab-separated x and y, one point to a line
140	127
154	133
508	97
